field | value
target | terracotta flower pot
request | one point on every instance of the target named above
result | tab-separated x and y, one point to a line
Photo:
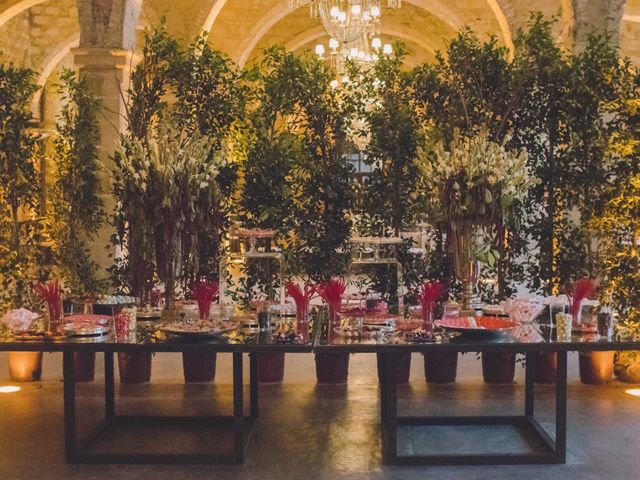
270	367
596	367
440	367
134	367
332	368
403	367
25	366
498	367
199	366
84	366
546	367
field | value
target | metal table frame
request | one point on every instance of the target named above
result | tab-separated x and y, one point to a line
555	447
241	425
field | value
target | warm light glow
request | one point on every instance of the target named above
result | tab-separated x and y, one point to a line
353	53
375	11
345	79
333	44
387	49
633	391
356	10
9	389
320	50
335	12
376	43
334	83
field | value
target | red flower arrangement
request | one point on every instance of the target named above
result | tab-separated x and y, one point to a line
203	292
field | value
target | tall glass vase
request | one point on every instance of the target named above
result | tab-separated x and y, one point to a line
54	316
302	321
464	235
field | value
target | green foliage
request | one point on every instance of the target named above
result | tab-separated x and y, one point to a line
151	80
20	215
169	177
543	73
467	88
391	191
322	178
272	143
202	92
619	228
78	211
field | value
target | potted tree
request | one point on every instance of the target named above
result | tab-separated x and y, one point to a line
77	210
272	146
388	142
620	228
323	188
200	92
21	228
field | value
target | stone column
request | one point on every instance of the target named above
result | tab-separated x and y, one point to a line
596	16
107	73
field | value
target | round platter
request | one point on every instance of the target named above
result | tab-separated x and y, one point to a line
477	325
146	315
85	330
198	329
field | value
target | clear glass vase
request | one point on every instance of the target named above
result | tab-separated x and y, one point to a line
427	316
302	321
464	238
54	316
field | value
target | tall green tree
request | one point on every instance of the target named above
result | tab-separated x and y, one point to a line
20	215
322	178
78	212
542	73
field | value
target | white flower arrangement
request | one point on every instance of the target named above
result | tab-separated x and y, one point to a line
475	178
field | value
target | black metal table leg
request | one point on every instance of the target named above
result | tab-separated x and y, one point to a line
253	385
530	373
550	450
109	386
561	408
70	441
389	407
238	408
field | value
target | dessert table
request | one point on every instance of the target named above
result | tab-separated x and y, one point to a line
238	425
550	447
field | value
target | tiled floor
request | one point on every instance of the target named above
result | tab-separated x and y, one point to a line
309	432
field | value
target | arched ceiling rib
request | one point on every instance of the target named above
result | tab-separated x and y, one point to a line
287	22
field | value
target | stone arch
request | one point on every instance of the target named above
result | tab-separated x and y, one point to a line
48	66
12	8
503	23
437	7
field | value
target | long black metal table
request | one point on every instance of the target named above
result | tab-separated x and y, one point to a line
554	444
240	425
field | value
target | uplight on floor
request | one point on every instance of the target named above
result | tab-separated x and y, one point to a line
9	389
633	391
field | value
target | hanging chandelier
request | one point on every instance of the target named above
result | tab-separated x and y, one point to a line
348	20
359	51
